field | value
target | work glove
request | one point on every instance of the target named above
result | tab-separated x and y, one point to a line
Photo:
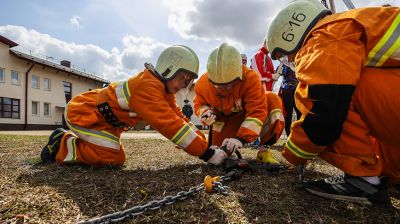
232	144
275	76
292	158
265	156
218	157
208	117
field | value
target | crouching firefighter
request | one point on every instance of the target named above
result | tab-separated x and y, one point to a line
231	98
98	117
348	67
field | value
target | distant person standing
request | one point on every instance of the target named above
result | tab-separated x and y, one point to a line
262	64
187	109
244	59
288	88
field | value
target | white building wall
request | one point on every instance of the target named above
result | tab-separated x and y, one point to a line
55	97
9	63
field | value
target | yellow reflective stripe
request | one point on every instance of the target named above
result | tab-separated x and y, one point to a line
71	146
252	124
187	139
271	115
255	120
123	95
391	50
192	126
388	44
299	152
101	138
180	133
184	136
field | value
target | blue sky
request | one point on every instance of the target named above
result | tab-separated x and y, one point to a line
115	38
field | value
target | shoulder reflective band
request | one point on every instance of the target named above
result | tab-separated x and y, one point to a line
386	46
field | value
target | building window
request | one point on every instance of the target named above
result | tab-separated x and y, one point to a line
35	82
35	108
14	78
1	74
46	109
9	108
47	84
67	90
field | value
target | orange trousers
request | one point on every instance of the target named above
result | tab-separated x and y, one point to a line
91	140
370	141
271	130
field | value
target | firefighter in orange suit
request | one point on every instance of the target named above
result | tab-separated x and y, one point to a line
230	97
348	67
98	117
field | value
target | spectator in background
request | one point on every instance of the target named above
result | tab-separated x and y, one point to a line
244	59
286	92
262	64
187	109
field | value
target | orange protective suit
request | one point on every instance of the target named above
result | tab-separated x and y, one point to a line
142	98
246	112
350	109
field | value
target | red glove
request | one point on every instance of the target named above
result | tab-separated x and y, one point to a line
292	158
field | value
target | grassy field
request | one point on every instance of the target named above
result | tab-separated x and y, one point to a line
34	193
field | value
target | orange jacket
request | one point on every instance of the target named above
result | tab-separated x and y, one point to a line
247	96
328	67
144	98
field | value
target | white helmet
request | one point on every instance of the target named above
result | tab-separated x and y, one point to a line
224	65
292	24
177	58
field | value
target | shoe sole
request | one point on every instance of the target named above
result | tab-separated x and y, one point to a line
364	201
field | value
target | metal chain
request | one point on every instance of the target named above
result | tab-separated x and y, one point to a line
156	204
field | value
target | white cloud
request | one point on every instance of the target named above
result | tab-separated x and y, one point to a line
243	23
113	65
76	22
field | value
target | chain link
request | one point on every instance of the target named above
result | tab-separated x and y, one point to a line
152	205
156	204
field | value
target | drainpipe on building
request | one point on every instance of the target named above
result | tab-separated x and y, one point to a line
26	95
332	6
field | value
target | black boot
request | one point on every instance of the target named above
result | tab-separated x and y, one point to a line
49	151
351	188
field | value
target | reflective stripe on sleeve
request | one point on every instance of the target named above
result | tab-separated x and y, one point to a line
184	136
387	45
252	124
299	152
123	95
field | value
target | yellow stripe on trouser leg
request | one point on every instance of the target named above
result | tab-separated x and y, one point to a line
299	152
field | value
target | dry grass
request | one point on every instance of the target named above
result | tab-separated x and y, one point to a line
35	193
